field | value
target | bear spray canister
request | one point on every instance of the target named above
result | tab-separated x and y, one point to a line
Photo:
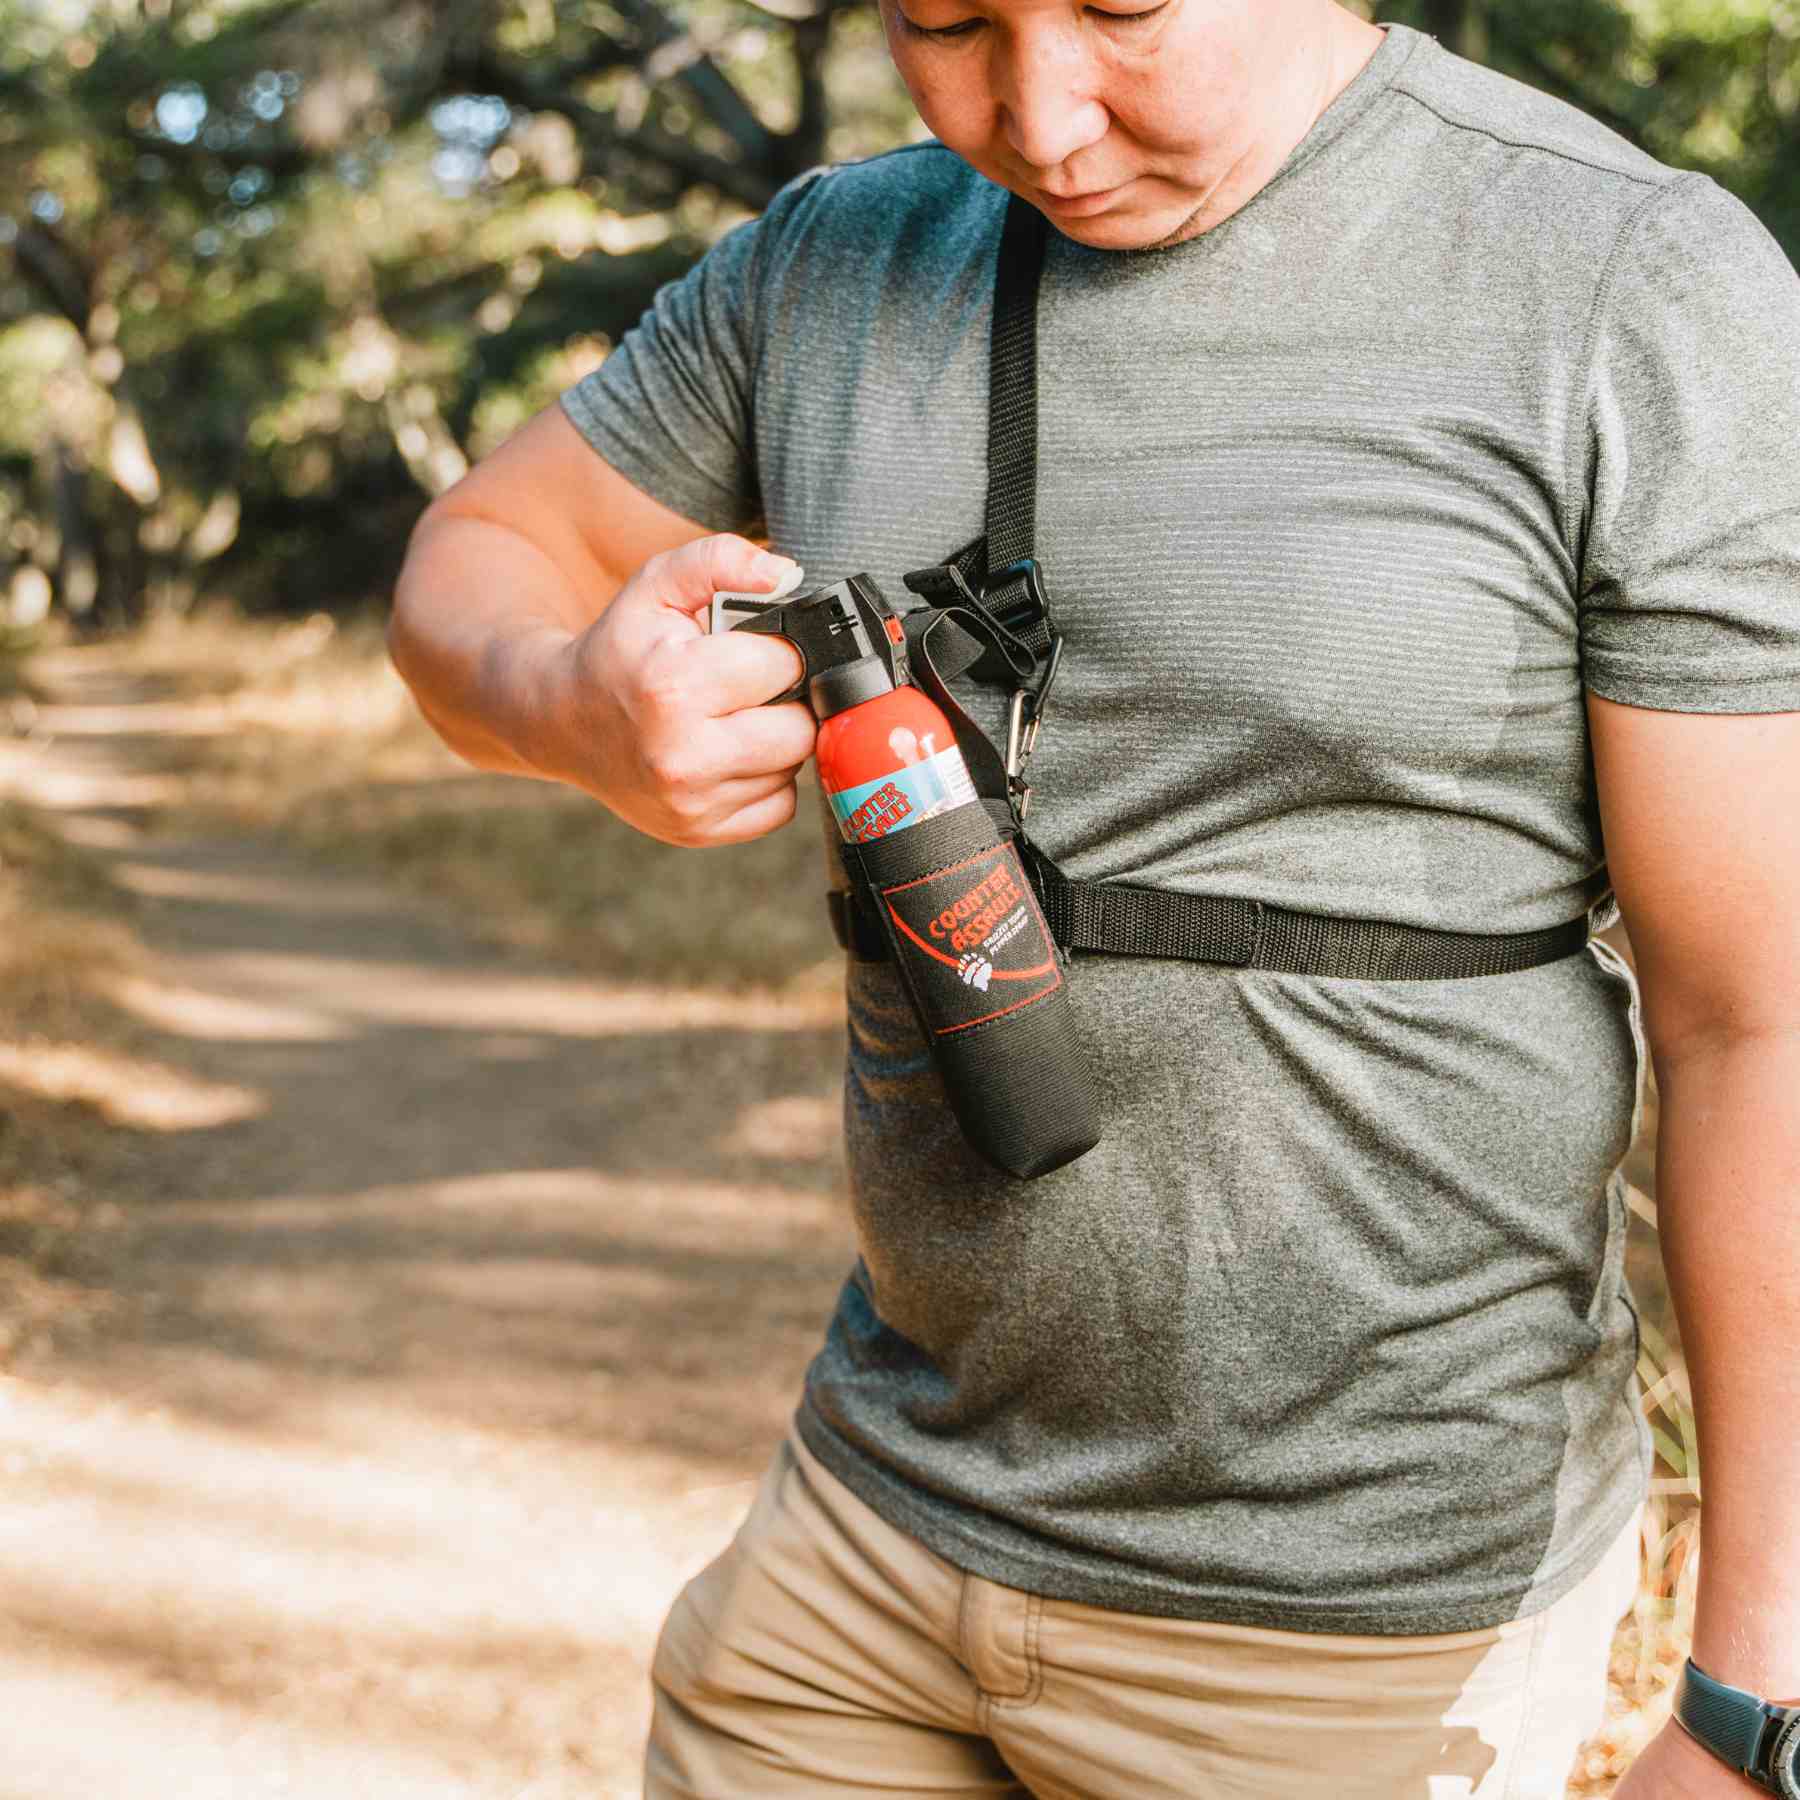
947	883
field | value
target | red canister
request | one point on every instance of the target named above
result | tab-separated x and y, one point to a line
889	763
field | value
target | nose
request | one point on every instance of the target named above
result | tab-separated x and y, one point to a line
1046	90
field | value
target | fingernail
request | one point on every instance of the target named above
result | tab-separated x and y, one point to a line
770	567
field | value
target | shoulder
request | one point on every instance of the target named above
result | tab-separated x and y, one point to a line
1696	233
921	199
897	244
1473	101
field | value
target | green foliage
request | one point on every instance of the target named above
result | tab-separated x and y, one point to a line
1700	84
290	263
273	271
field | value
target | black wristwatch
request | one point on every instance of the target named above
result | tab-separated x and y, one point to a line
1757	1739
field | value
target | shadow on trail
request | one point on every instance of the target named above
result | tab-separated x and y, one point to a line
487	1188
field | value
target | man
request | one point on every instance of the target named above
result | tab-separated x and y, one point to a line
1417	495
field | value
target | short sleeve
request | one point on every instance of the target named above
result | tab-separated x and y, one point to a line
669	408
1690	575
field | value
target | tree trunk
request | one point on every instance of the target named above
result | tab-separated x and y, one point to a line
79	555
1459	25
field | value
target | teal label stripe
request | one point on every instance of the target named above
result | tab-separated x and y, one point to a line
875	809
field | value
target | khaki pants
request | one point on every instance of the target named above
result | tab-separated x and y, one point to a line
825	1652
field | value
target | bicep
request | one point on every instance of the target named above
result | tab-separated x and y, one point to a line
548	484
1700	813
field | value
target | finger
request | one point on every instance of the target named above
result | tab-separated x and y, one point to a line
737	669
761	738
759	818
684	580
729	798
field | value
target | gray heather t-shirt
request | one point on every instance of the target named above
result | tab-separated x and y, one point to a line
1342	504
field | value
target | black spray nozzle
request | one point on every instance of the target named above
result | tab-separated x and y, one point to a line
832	627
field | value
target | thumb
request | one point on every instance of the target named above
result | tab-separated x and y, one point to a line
684	580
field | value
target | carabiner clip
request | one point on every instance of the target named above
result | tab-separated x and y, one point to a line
1024	714
1041	698
1018	790
1015	735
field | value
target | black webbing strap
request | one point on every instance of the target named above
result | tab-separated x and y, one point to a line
976	575
1013	414
1105	915
1118	919
856	928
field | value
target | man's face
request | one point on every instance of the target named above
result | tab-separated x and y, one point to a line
1116	118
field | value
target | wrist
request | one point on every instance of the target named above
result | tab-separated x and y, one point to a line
1705	1766
1745	1626
1765	1673
1744	1731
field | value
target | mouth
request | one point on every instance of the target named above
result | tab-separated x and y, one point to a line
1092	200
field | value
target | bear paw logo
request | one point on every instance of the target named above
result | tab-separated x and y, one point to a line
975	971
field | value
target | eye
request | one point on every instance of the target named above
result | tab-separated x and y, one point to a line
965	26
939	31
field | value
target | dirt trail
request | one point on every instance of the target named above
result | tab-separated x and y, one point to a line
459	1302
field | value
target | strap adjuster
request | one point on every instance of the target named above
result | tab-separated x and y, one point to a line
1031	608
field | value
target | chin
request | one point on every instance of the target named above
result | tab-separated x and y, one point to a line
1127	229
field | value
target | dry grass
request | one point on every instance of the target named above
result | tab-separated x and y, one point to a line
310	732
1653	1641
65	933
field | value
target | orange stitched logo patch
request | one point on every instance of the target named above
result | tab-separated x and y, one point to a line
973	941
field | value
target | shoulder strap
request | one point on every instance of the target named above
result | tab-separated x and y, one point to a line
996	573
1012	420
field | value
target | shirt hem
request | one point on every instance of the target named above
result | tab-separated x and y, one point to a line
951	1539
1683	693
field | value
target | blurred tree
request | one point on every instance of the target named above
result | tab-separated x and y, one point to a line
278	268
1702	84
273	271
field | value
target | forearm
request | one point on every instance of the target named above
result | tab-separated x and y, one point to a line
1728	1193
480	614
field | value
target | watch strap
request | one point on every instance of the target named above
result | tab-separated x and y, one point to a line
1731	1723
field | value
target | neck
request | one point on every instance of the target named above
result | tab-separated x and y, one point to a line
1307	80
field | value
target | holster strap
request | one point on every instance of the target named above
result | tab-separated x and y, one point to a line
855	928
1118	919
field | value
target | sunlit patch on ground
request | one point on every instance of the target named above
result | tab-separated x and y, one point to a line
124	1090
801	1125
194	1012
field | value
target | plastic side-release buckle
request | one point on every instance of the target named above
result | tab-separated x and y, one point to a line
1031	608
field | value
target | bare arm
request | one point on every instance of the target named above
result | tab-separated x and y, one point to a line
503	627
1701	815
530	547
